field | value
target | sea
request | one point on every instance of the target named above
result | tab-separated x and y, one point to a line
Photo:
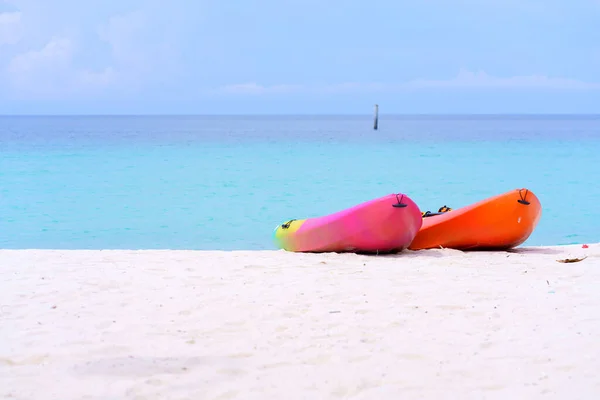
226	182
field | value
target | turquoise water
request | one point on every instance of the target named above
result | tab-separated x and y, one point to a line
226	182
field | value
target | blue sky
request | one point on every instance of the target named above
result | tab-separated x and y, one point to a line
299	56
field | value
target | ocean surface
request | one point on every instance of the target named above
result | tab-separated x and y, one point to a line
198	182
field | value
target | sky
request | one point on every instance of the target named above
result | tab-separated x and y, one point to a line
299	56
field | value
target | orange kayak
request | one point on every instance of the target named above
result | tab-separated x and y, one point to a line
497	223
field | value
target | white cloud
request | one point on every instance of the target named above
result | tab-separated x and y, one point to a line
49	72
55	64
464	80
41	70
122	32
480	79
254	88
56	51
10	27
141	52
138	56
87	78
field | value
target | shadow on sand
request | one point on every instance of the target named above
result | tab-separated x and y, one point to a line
534	250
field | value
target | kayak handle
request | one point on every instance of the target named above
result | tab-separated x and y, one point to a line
523	199
287	224
399	203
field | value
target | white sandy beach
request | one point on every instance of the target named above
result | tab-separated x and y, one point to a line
275	325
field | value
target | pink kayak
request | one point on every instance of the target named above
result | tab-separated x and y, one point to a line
384	225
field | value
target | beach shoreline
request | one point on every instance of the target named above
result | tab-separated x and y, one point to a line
196	324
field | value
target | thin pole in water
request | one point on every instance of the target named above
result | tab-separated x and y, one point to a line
376	120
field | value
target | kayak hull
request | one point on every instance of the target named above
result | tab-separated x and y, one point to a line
497	223
384	225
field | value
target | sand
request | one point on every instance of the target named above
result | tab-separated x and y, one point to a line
275	325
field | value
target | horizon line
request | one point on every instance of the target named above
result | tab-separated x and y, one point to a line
304	115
